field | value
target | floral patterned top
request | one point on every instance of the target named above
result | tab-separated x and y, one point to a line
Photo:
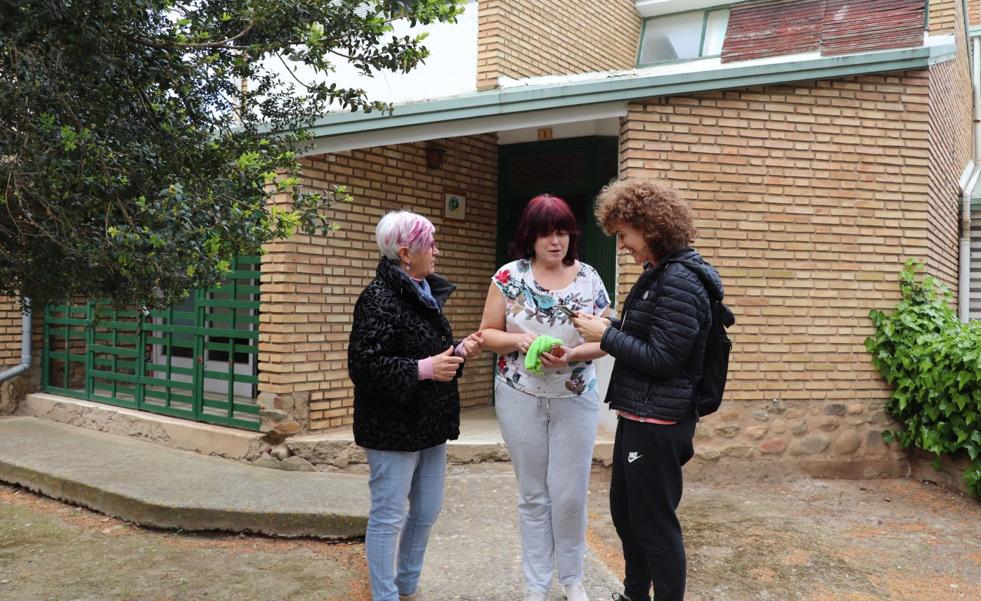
531	308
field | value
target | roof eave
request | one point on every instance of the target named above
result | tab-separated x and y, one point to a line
631	88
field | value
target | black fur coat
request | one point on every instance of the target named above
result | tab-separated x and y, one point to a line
393	329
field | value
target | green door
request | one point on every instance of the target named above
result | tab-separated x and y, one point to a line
573	169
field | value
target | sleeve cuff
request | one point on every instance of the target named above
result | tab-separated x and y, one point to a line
604	341
426	369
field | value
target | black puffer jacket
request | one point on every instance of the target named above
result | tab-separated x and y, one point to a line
393	328
659	343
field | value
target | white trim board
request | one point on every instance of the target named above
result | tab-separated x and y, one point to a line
466	127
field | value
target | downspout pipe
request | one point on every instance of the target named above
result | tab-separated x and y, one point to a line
964	260
25	346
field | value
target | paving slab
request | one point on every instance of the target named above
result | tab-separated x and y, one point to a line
168	488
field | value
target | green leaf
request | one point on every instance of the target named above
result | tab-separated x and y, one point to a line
931	360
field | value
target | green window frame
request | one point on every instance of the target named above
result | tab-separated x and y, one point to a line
197	360
709	25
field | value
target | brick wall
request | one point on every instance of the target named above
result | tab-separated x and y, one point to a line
851	26
779	27
773	28
309	284
12	391
974	12
10	324
808	198
943	16
525	38
951	148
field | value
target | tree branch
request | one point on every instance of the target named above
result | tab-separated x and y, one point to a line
290	71
226	43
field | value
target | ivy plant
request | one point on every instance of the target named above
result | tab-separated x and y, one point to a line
933	362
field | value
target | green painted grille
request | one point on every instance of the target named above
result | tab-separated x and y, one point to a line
195	361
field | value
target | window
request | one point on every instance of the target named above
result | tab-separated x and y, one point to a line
683	36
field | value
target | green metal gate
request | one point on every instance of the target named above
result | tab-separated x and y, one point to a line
197	360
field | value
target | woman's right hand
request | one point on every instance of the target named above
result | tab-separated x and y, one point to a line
445	365
590	327
524	343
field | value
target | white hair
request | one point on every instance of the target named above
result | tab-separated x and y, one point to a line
403	228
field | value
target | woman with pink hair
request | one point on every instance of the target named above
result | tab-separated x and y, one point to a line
404	363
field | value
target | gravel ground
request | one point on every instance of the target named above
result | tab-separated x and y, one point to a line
814	540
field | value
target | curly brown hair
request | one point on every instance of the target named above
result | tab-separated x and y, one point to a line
656	210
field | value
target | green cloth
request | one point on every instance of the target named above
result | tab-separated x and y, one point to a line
542	344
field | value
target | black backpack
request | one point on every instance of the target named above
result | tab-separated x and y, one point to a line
709	390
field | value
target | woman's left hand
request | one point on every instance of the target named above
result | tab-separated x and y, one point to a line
472	345
590	327
557	357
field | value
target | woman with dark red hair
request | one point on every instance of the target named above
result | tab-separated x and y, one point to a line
545	394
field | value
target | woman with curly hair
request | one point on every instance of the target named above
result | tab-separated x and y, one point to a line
659	346
545	392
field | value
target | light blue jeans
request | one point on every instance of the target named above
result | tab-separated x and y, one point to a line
406	497
551	446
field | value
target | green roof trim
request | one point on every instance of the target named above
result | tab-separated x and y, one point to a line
628	87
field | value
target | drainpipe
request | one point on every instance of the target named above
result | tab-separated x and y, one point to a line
964	260
25	346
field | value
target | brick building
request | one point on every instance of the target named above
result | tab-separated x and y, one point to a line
820	142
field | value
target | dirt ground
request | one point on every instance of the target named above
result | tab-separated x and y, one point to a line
812	540
819	540
50	551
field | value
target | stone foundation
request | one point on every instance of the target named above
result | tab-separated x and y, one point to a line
832	440
14	390
283	414
171	432
742	441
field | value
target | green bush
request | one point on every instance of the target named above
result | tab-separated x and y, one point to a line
933	362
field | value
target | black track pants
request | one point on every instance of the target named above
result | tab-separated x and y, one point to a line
644	493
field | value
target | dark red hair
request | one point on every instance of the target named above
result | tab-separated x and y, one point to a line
543	215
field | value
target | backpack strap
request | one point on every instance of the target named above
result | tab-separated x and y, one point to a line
728	318
693	267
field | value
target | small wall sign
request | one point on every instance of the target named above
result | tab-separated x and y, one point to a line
456	206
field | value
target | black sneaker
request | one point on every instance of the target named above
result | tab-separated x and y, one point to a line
619	597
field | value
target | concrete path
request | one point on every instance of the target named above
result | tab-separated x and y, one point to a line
167	488
475	550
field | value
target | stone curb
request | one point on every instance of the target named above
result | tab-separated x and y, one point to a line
167	488
185	517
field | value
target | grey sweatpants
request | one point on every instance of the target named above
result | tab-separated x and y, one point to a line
551	446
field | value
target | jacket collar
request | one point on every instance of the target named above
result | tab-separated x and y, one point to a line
392	276
681	254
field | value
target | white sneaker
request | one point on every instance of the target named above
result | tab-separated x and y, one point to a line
575	592
536	596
